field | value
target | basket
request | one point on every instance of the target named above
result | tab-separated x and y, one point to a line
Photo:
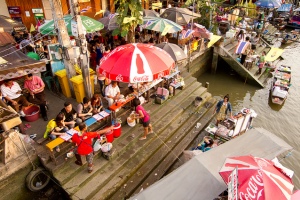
32	113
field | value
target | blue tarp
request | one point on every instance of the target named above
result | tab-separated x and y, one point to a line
285	8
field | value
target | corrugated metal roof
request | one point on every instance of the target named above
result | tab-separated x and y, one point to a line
6	38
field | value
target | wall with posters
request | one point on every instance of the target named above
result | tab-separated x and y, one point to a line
25	13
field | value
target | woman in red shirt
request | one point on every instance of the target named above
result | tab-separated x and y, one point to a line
84	141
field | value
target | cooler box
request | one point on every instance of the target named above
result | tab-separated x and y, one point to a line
162	95
79	87
230	34
110	136
63	81
117	130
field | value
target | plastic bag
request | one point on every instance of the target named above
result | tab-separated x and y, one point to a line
97	146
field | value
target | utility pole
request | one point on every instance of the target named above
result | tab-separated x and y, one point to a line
84	60
63	39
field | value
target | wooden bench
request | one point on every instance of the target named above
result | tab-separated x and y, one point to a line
58	141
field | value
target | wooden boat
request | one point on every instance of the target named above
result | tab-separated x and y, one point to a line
280	84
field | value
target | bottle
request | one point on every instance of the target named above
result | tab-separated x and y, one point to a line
139	64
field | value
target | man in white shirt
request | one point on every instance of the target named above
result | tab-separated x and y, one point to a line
112	92
11	91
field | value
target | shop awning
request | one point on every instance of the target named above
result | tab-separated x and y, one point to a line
14	63
273	54
213	40
10	25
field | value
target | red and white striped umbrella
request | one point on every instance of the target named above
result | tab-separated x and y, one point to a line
258	178
133	63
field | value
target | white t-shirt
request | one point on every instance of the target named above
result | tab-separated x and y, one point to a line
11	92
111	91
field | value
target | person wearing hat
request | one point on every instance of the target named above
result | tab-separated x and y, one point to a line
222	108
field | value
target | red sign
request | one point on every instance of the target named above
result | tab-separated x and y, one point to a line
14	10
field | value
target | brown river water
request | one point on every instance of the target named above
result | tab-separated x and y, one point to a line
283	121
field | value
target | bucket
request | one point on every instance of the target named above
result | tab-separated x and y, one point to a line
110	136
117	130
32	113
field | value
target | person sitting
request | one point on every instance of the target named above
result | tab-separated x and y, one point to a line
112	92
85	109
96	104
11	91
205	145
35	87
70	115
56	127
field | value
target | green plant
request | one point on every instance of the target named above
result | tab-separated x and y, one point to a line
129	17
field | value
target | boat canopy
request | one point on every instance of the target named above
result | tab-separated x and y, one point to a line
199	177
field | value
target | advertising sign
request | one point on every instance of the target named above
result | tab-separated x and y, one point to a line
233	185
13	10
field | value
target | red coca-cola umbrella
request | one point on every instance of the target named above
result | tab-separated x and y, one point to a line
133	63
258	178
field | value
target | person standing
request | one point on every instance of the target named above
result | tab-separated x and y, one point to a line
262	62
144	117
31	53
84	141
101	80
11	91
246	51
35	87
222	108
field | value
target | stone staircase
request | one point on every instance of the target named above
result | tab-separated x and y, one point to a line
137	164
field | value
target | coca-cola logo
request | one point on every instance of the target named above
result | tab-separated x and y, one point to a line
144	78
119	78
160	75
254	188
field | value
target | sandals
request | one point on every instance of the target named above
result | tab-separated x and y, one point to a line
143	138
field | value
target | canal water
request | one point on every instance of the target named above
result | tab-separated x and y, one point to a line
283	121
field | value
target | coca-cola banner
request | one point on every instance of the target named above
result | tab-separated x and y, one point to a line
258	178
136	63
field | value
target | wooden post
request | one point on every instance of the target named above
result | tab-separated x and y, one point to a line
64	40
214	64
84	59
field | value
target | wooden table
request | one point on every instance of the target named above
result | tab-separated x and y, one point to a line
114	107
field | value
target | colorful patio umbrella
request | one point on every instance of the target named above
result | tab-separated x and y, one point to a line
90	25
296	195
258	178
181	16
110	22
200	31
268	3
285	8
174	50
161	25
136	62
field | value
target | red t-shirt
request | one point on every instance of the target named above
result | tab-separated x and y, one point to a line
84	142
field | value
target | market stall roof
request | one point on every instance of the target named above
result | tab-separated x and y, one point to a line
10	25
199	178
6	38
14	63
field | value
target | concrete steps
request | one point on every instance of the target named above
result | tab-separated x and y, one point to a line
132	148
162	159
